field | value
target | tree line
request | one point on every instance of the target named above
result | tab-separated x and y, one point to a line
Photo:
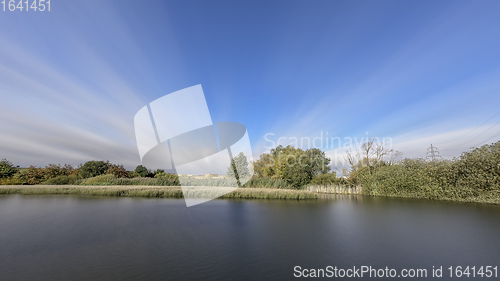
282	167
373	167
472	174
66	174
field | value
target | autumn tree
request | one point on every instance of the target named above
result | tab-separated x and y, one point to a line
117	170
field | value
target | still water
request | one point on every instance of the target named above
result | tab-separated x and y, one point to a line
81	238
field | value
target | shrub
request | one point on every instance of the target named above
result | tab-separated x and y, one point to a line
479	168
158	172
132	174
469	176
62	180
99	180
11	181
162	181
267	183
325	179
171	177
33	175
53	170
109	179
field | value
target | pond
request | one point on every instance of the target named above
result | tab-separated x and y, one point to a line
89	238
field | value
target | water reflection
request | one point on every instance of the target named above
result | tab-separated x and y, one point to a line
77	238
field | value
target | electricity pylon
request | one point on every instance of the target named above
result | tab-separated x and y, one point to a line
433	153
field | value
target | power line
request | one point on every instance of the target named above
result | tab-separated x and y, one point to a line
477	127
494	136
475	136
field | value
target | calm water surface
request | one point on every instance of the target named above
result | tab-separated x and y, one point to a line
77	238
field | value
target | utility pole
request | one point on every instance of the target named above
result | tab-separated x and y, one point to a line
433	153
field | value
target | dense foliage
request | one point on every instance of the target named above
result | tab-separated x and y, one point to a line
268	183
93	169
469	175
65	174
7	169
116	170
326	179
479	168
34	175
295	166
142	171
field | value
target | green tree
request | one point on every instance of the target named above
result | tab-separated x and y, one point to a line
159	173
295	166
142	171
265	167
93	168
318	161
7	169
239	168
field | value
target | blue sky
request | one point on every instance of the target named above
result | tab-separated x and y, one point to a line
419	72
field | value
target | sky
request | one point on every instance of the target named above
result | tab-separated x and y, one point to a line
414	72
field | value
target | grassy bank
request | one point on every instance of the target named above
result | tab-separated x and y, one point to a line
152	191
451	194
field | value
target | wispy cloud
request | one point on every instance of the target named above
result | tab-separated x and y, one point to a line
69	90
50	117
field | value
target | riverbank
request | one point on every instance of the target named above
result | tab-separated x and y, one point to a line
152	191
455	194
486	197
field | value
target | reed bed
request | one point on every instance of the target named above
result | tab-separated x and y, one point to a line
447	193
128	191
154	191
186	181
268	193
334	189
